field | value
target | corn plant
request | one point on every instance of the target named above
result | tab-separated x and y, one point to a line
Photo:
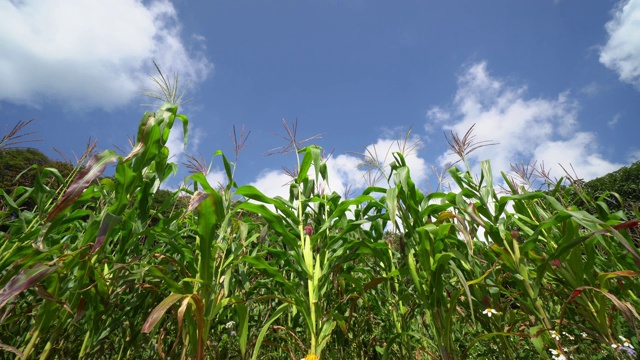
89	269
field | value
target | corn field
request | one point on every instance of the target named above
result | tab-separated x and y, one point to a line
394	272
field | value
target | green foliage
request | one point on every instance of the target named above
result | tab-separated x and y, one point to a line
625	182
19	166
115	268
17	161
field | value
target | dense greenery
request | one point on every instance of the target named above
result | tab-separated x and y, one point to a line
622	185
90	270
620	189
19	167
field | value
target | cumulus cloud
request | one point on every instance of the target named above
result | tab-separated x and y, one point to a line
621	53
273	183
612	123
344	174
175	143
72	51
634	155
592	89
346	171
217	178
437	116
526	128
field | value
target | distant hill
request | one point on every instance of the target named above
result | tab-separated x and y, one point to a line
624	181
16	169
16	162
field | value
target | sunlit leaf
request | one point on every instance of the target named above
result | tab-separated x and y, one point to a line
158	312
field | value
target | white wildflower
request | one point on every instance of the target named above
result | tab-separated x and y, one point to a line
489	311
626	342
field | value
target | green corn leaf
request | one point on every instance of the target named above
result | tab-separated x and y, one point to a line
252	193
316	279
308	255
392	204
243	327
312	155
441	259
486	191
146	118
210	217
260	264
201	179
185	127
345	206
325	335
126	181
414	273
148	145
9	201
324	172
227	166
465	284
537	340
165	116
265	327
403	178
274	221
305	165
157	272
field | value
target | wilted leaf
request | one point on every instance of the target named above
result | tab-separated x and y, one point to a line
24	280
107	223
607	275
45	295
12	349
95	167
159	311
373	283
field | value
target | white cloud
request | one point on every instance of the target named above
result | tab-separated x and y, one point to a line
526	128
273	183
437	115
592	89
612	123
343	171
89	53
621	53
634	155
217	178
175	143
579	151
344	174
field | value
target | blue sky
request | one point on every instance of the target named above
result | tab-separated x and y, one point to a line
553	81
